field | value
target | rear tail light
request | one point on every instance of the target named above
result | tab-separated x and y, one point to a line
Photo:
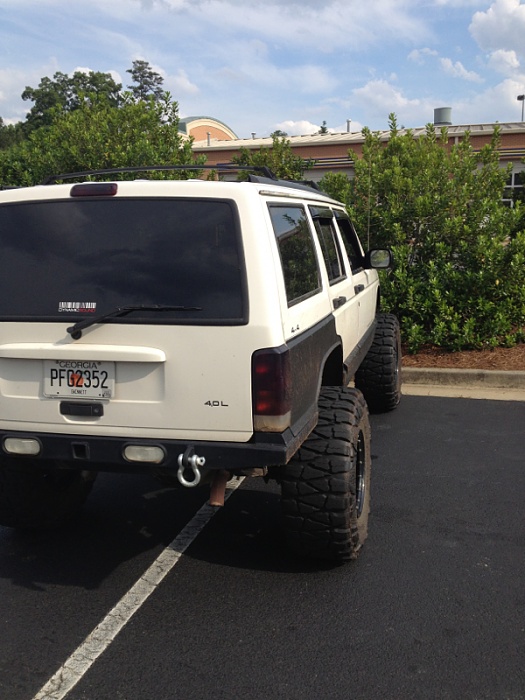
271	389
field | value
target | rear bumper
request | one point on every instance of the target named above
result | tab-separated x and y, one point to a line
107	454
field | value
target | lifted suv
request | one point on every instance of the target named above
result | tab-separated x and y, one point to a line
197	331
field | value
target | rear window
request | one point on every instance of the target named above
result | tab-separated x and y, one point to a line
68	259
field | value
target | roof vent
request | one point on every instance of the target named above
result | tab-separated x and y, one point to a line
443	116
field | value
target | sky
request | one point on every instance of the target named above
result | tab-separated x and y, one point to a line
262	65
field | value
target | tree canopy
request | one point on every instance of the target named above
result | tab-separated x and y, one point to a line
279	157
67	93
85	122
146	82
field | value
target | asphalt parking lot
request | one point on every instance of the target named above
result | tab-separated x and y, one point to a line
433	608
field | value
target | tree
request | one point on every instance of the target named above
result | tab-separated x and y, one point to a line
10	134
459	279
146	82
67	93
99	135
279	158
338	186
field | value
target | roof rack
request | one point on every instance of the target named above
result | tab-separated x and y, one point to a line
296	184
269	178
51	179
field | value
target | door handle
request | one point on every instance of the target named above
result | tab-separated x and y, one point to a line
359	288
339	301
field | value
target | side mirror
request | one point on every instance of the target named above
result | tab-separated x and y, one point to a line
378	259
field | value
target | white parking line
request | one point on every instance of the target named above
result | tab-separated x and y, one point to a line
81	660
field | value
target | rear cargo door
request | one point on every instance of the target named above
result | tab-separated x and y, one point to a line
169	364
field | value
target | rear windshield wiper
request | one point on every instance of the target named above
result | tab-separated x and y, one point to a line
76	331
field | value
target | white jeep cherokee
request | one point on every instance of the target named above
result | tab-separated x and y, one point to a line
196	330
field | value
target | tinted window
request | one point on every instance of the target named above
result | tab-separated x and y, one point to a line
326	233
296	248
350	241
68	258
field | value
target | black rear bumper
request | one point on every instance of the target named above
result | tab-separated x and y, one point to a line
106	454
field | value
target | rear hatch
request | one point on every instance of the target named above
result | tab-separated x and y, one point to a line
134	303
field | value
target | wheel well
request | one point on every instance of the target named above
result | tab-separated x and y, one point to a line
333	368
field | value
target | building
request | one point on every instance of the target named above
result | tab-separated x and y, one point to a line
206	129
334	152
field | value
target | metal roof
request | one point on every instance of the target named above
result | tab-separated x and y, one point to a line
357	137
183	123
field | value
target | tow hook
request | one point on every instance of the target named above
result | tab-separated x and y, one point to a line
189	460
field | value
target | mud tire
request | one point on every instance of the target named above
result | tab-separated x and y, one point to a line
326	486
379	376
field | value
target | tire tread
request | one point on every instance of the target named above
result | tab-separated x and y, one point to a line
318	495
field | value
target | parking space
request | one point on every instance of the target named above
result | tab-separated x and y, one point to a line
433	608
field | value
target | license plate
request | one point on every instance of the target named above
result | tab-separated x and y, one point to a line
80	379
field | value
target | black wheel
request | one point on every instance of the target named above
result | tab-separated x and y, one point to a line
38	498
326	485
379	376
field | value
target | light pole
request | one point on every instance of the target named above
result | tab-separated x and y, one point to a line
521	98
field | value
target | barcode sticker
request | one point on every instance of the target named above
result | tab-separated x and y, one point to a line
77	306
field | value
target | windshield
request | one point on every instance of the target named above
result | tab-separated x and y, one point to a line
64	260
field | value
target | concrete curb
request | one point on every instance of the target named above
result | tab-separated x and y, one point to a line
493	379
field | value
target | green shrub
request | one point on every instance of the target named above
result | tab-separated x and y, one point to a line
459	278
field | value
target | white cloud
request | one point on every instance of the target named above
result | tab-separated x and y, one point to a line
379	94
479	109
115	75
307	79
296	62
81	69
458	70
171	4
253	68
180	84
454	69
12	84
297	128
504	61
380	99
502	26
303	127
460	3
307	26
418	55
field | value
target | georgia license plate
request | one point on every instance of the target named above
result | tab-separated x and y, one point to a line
81	379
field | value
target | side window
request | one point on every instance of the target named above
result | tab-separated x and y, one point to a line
297	251
350	241
324	225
